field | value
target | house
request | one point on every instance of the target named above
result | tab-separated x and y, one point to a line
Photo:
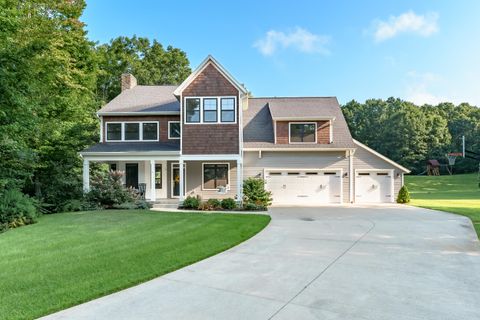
205	136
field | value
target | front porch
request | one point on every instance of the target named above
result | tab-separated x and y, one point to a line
209	176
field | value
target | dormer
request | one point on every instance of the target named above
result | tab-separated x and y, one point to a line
305	122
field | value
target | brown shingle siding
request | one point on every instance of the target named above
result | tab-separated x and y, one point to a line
210	82
323	131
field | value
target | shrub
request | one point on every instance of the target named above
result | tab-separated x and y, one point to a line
16	209
204	206
253	207
229	204
254	192
214	203
191	202
403	195
107	190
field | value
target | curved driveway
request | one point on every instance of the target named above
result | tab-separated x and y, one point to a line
320	263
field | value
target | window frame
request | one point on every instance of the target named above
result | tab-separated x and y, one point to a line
140	124
227	187
301	122
169	124
216	109
200	118
219	110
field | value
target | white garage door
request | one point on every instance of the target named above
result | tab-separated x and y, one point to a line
295	187
373	186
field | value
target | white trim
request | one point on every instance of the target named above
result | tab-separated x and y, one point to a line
403	179
219	109
171	180
227	187
212	157
392	181
153	189
207	61
302	118
86	175
174	138
138	113
101	129
302	122
381	156
351	176
274	132
140	126
330	127
312	149
128	157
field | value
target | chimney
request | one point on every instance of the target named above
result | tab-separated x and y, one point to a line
128	81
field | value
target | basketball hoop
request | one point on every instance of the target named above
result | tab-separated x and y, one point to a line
452	156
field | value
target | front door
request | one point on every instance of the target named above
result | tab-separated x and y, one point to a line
131	175
176	180
160	183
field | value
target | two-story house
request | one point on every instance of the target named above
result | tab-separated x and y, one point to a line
205	136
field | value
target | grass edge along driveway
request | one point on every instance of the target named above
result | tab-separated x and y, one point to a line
457	194
70	258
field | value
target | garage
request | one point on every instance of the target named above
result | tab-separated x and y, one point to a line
304	187
373	186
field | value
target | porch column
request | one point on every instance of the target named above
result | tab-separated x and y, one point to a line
86	175
240	180
182	187
152	180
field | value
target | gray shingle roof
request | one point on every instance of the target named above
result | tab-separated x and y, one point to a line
133	147
144	99
258	124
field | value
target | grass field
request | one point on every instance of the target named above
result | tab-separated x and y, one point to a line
458	194
69	258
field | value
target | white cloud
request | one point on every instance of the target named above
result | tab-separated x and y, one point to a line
419	88
408	22
299	39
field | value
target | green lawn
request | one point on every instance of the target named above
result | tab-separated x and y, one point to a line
69	258
457	194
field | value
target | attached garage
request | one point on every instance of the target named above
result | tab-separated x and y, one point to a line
304	186
374	186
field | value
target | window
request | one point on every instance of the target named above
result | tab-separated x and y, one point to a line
158	176
114	131
132	131
227	108
192	108
215	175
174	130
303	132
210	110
113	167
150	131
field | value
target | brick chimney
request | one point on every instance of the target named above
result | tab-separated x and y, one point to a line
128	81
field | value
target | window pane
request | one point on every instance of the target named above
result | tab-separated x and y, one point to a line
132	131
158	176
210	110
227	110
150	131
192	110
210	116
210	104
302	132
221	175
174	130
228	116
114	131
228	104
209	176
215	175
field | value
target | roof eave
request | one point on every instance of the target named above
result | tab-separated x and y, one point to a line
303	118
138	113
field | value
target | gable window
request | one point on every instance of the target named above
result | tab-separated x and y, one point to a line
215	175
114	131
150	131
174	130
210	110
227	109
132	131
303	132
192	108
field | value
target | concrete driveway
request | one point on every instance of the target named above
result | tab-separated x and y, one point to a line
320	263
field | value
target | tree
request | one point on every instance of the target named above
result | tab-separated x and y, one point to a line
149	62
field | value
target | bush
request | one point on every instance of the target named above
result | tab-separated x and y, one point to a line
254	192
253	207
214	204
204	206
16	209
191	202
107	190
229	204
403	195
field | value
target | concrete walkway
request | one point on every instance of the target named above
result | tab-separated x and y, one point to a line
320	263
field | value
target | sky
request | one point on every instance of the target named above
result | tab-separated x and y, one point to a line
422	51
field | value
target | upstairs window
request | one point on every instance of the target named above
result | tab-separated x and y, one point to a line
303	132
114	131
210	110
192	110
150	131
174	130
132	131
227	109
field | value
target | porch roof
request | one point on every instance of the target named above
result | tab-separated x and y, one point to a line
125	147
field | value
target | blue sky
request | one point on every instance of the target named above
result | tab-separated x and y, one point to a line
422	51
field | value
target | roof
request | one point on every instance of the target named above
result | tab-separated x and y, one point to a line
258	124
119	147
148	99
305	108
210	59
381	156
